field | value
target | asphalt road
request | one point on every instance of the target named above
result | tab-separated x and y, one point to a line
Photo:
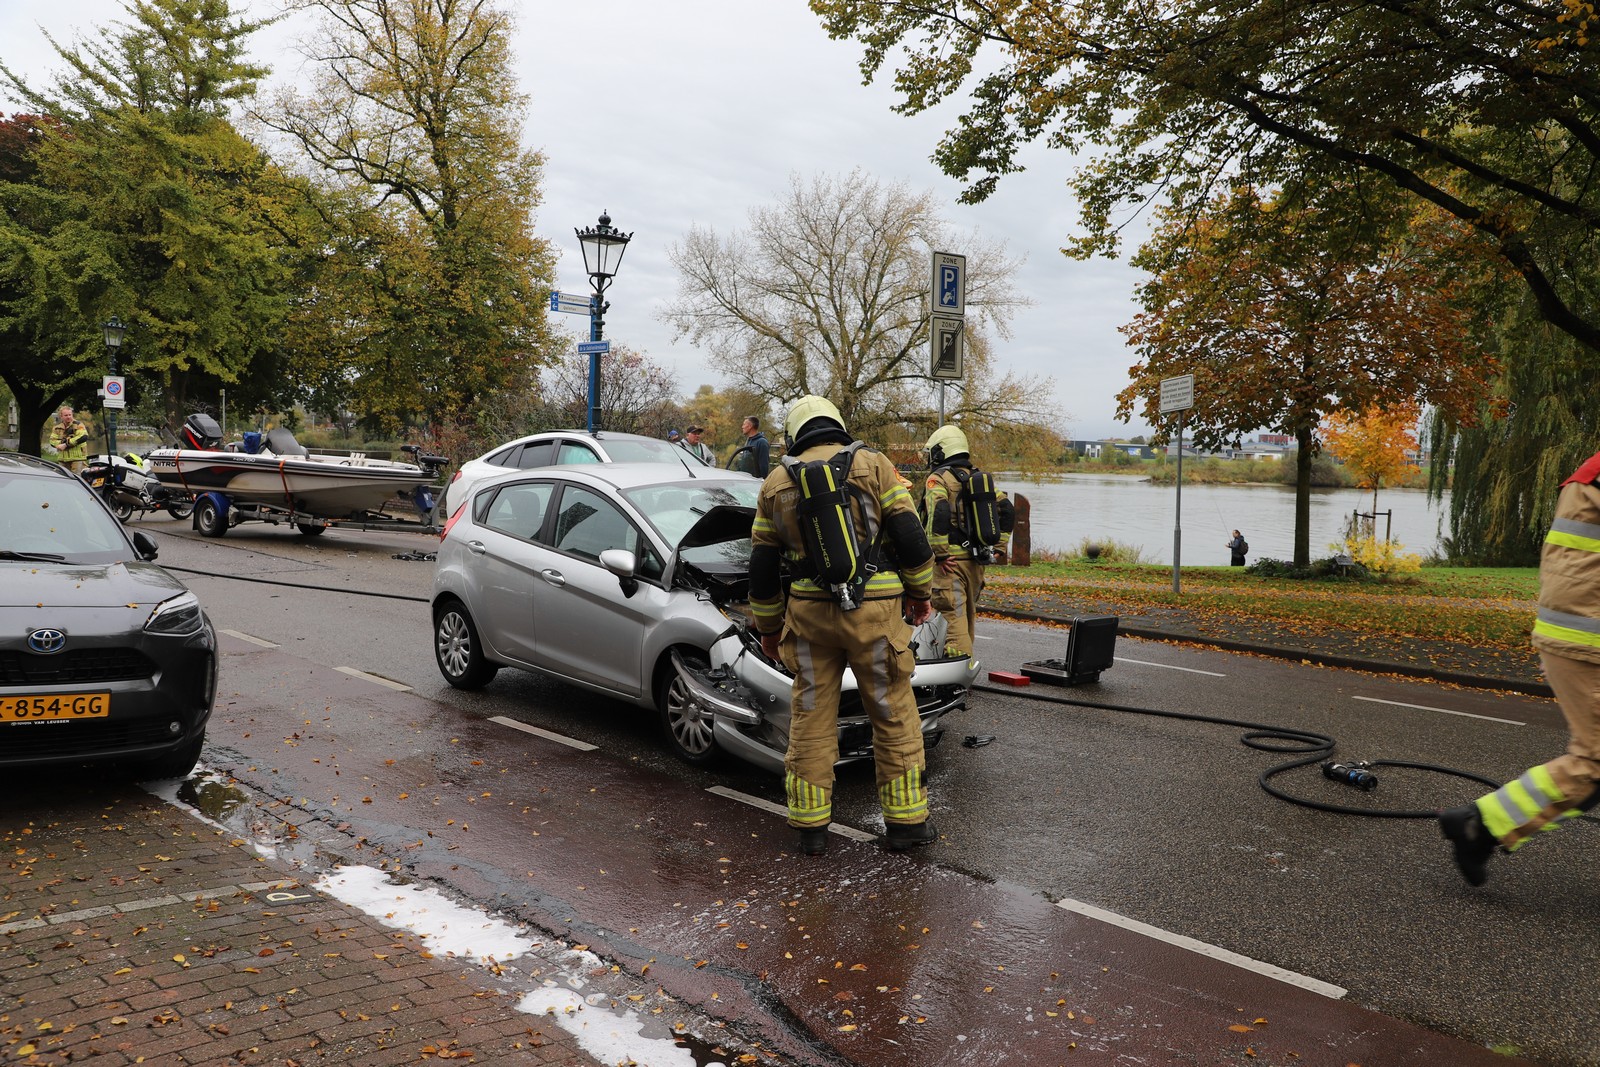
1157	819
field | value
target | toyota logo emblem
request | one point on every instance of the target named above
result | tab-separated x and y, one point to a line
47	641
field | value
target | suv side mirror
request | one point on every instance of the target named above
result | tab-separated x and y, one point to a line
145	545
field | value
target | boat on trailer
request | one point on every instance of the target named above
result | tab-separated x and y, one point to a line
272	477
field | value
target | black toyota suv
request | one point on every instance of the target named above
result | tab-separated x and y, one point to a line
104	656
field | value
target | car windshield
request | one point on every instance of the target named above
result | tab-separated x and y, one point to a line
641	450
44	518
673	509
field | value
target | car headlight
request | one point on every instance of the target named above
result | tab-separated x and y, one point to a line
176	617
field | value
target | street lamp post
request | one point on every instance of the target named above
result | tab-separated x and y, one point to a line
114	331
603	246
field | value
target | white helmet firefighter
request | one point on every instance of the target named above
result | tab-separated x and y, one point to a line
969	524
837	515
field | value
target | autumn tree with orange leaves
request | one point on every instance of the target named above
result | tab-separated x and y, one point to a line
1374	444
1287	311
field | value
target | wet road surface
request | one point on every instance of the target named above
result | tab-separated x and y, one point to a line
1159	820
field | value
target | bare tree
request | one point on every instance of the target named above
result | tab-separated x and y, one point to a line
637	395
826	292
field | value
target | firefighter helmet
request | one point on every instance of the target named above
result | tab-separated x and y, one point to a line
804	410
946	443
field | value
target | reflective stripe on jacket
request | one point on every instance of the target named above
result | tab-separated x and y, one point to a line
777	524
944	487
1568	622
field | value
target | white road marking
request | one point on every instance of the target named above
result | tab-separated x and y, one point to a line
570	742
253	640
1293	978
778	809
1441	711
984	637
1170	667
364	676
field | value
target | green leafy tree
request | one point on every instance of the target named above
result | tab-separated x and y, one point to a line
1285	314
142	201
1485	110
826	292
413	118
1503	468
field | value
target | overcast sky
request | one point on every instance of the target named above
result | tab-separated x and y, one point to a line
675	113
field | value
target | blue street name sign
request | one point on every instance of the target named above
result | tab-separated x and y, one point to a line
590	348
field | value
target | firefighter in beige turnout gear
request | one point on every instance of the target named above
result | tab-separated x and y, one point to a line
1566	632
958	570
816	635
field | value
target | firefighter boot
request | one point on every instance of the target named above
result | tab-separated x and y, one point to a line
1464	829
900	836
814	840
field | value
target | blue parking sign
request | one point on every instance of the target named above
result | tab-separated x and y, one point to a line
949	284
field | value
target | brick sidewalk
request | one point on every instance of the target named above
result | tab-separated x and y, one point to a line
137	934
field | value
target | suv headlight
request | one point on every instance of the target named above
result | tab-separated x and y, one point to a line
176	617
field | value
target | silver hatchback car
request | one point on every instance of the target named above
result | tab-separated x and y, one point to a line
632	580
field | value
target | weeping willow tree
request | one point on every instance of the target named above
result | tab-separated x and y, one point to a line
1539	424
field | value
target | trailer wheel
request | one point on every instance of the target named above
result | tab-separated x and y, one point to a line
209	519
310	529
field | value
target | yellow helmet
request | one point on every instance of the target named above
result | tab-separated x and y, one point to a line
807	408
946	443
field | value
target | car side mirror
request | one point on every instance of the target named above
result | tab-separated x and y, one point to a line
624	565
145	545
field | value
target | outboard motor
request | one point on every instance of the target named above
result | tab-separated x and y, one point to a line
199	431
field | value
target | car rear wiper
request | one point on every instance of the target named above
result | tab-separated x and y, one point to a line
32	557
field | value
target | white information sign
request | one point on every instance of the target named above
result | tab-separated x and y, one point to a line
1177	394
113	391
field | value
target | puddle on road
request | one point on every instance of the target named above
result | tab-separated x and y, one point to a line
232	809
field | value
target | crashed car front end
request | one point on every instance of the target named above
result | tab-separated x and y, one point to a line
747	698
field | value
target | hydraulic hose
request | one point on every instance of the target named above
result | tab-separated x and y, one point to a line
1308	745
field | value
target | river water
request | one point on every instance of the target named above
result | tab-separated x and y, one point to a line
1129	509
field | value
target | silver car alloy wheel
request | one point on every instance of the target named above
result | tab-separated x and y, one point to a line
454	642
689	722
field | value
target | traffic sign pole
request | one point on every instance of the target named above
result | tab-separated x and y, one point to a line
1177	394
947	310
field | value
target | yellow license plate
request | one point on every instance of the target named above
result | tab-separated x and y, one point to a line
60	706
95	483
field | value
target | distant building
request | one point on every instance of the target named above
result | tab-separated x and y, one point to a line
1103	448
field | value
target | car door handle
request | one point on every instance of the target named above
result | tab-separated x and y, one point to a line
476	548
553	577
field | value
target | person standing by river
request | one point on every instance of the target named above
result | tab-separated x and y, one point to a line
1238	547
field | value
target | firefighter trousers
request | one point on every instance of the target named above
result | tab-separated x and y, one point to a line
874	641
1568	784
955	596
